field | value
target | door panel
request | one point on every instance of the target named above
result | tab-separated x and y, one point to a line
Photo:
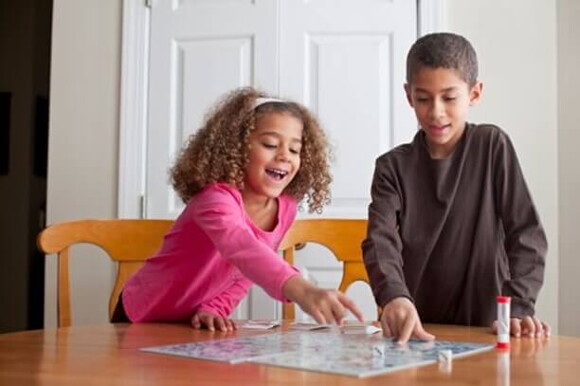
194	61
345	61
199	50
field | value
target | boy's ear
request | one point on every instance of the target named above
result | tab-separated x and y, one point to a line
475	93
408	93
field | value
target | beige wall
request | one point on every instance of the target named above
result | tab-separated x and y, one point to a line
516	41
83	154
516	45
569	159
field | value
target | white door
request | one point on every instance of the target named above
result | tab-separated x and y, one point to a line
344	59
198	50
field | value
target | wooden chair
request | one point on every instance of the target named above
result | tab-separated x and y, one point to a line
342	237
127	242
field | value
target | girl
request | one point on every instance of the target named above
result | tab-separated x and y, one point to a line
240	176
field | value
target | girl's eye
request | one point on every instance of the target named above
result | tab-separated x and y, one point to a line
295	151
268	146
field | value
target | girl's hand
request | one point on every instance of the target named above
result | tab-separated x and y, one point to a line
400	320
212	322
325	306
529	326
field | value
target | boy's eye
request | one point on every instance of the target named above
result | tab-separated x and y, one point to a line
422	99
449	99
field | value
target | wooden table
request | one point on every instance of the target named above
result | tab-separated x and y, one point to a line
109	355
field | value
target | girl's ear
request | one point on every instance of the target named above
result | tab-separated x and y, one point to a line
475	93
408	93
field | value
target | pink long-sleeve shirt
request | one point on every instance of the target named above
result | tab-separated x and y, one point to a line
209	259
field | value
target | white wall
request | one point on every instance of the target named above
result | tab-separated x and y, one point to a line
516	42
569	159
516	45
82	171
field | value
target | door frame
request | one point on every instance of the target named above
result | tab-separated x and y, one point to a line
133	101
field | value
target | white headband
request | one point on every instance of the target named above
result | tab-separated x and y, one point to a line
261	101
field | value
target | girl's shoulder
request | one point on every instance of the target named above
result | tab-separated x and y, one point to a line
217	192
287	200
287	205
223	194
217	196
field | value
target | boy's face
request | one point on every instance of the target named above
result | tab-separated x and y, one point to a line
441	100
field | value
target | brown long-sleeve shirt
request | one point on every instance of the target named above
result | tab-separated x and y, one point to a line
451	234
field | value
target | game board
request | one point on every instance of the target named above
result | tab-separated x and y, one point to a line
328	352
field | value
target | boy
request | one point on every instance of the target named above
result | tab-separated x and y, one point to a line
451	223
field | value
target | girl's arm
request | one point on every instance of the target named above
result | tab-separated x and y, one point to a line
223	304
220	215
223	220
214	313
325	306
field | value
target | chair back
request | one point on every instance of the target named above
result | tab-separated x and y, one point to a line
127	242
343	237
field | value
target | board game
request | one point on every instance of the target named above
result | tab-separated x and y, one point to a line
329	352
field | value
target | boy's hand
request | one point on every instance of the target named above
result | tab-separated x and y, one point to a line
325	306
528	326
212	322
400	320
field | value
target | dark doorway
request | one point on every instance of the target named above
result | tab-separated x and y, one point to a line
25	40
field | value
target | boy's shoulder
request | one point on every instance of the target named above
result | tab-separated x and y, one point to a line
400	151
487	134
394	159
485	130
475	134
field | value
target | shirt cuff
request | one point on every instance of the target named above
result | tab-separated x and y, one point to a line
520	308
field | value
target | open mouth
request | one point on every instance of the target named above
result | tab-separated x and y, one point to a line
438	130
276	174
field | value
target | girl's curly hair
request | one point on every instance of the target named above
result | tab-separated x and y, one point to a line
219	150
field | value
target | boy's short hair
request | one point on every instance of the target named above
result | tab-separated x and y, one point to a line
443	50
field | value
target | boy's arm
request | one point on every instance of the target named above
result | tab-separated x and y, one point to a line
525	240
382	247
224	303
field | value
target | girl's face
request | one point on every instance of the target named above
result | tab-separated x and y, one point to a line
274	157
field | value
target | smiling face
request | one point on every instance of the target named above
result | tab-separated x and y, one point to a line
274	156
441	101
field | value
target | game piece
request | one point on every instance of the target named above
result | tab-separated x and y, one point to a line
359	329
445	367
445	356
304	326
379	350
260	324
